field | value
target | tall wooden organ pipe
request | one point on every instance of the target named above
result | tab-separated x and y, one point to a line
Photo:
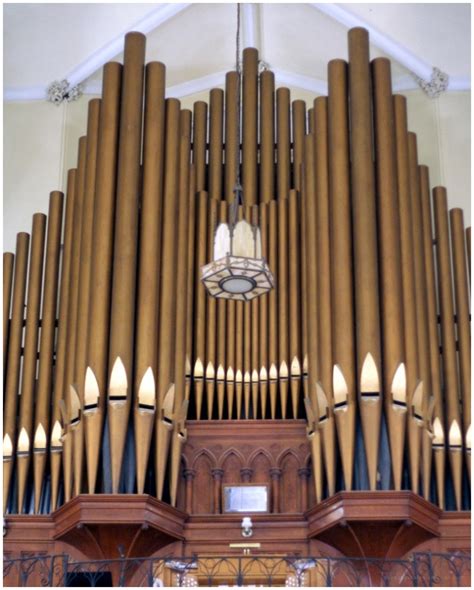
347	341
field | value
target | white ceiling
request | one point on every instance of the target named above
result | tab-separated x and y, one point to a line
46	42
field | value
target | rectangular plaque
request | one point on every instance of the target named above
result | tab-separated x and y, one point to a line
245	498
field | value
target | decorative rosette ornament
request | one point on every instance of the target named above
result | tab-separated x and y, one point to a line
238	271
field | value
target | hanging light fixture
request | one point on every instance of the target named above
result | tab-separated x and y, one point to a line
238	270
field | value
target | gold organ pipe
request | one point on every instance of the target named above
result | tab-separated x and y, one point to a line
365	248
323	297
199	143
8	259
28	382
215	142
432	317
82	322
310	220
232	142
430	287
283	142
247	339
273	308
101	268
181	297
72	316
283	332
263	317
210	367
200	297
462	312
408	285
125	251
182	251
304	331
221	332
390	268
149	266
239	346
341	268
62	333
267	136
190	287
468	248
421	307
294	299
453	422
230	351
48	321
299	130
167	304
249	125
255	312
14	356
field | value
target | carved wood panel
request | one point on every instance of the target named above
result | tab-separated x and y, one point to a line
268	451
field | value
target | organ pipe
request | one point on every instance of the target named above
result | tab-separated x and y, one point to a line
28	383
14	360
390	266
149	266
82	323
350	330
96	377
453	414
408	284
341	269
122	312
8	260
46	348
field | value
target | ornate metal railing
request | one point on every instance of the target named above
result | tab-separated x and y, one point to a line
421	569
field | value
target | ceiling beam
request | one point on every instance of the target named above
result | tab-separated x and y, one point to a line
381	40
151	21
284	78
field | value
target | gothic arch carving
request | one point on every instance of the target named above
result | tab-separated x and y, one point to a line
208	454
232	451
282	456
260	451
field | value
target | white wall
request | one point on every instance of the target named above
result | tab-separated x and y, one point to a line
40	145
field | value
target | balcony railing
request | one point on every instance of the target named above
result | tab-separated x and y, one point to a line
421	569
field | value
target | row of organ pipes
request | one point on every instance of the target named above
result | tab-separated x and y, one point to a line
366	331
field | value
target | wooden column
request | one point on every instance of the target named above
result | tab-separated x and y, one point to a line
275	474
217	475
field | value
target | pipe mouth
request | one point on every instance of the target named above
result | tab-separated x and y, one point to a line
370	396
341	406
90	407
398	405
146	407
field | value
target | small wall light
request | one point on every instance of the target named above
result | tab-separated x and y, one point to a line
247	526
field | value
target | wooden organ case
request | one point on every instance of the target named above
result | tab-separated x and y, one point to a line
132	396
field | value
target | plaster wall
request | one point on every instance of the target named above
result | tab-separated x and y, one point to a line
40	145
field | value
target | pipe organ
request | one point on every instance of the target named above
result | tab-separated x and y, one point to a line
112	346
